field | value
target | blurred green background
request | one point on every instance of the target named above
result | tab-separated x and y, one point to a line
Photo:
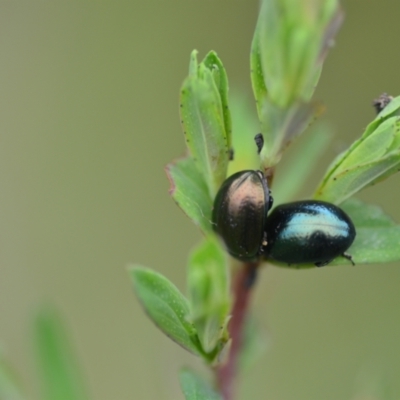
88	120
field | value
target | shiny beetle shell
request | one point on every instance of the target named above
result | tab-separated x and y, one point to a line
240	211
308	231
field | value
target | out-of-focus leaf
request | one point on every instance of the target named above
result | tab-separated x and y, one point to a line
289	46
190	192
9	385
300	166
61	377
208	285
373	383
283	126
204	120
166	307
195	388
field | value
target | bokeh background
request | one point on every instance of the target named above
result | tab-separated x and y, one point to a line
88	120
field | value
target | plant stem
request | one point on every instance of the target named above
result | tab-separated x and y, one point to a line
242	285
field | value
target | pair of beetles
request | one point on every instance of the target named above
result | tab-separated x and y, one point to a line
302	232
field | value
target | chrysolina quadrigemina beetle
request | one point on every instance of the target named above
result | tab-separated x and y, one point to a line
239	214
302	232
308	232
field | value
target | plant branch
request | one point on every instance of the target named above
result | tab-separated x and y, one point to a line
242	285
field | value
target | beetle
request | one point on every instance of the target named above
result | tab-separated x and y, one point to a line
240	212
308	231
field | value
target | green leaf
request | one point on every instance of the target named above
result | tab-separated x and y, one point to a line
297	169
9	385
214	64
370	159
190	192
204	119
194	387
256	71
60	372
341	186
208	285
289	46
378	236
165	306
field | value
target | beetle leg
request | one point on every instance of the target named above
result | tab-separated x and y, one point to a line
322	263
349	257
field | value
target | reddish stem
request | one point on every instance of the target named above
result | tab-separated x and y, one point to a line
242	286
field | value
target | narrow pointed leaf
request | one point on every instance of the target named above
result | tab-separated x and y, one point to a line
378	144
373	147
60	373
340	187
195	388
190	192
165	306
214	64
257	75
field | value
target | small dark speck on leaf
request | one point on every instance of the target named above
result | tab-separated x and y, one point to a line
381	102
259	139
